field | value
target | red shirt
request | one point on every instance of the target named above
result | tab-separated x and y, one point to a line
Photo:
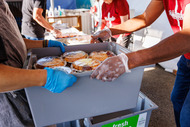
113	11
175	12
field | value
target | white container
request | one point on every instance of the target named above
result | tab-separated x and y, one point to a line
56	12
50	12
63	12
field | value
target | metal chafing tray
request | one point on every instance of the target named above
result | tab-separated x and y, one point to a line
87	97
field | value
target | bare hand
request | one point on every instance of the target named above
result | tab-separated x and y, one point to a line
57	33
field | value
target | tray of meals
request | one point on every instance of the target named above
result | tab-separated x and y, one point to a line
78	62
86	97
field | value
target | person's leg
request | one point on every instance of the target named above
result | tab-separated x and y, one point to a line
127	40
181	87
185	112
112	39
14	110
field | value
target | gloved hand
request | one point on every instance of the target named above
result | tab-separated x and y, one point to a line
120	40
111	68
57	80
103	35
53	43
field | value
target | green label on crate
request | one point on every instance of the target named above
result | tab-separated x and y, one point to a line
134	121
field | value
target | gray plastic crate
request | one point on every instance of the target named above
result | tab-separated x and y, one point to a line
75	123
87	97
136	117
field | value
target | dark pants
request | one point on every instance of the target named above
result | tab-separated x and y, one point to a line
14	110
126	40
180	96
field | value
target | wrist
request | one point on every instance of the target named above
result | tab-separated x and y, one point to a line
54	30
44	80
108	30
45	43
51	29
49	72
124	59
40	77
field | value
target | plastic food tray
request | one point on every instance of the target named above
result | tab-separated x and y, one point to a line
87	97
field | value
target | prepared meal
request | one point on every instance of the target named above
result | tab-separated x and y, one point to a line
50	61
74	55
82	39
101	55
65	69
69	35
69	32
86	64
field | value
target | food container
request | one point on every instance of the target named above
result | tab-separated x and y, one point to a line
87	97
83	65
79	39
49	61
74	55
101	55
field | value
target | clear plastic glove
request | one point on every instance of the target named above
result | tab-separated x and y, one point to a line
57	81
53	43
56	33
101	35
111	68
120	40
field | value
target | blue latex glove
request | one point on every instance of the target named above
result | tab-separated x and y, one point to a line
57	81
53	43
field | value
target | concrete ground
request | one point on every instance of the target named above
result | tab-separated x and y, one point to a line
157	85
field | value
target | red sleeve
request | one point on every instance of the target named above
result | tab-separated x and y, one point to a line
187	2
122	7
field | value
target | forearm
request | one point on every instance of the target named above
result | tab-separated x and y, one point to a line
41	20
152	12
14	78
129	26
169	48
34	43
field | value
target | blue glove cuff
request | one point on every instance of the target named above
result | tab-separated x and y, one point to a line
57	80
53	43
49	82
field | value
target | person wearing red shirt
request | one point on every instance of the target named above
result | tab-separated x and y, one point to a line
178	13
115	12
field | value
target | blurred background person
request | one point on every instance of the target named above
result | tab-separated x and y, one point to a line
96	12
115	12
34	22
